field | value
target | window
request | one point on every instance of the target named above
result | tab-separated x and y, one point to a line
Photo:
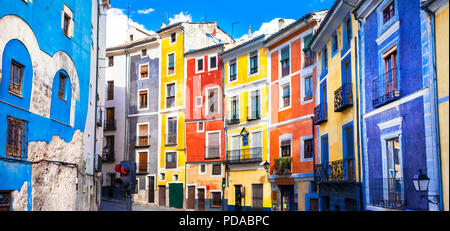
348	142
66	24
143	71
171	138
171	160
131	37
308	149
233	73
216	170
173	37
285	147
198	101
309	55
203	168
334	43
389	12
213	98
216	199
308	88
143	96
254	112
143	135
213	145
212	62
175	177
143	157
286	96
16	139
67	21
170	98
200	65
234	109
325	59
171	65
61	86
348	32
162	176
5	200
285	64
253	62
110	61
110	123
200	127
15	81
110	91
144	52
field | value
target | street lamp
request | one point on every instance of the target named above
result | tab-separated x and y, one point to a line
421	182
266	166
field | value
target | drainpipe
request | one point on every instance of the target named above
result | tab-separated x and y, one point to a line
126	155
96	99
435	98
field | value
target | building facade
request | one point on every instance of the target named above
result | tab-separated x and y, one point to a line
399	132
336	114
205	143
50	55
293	74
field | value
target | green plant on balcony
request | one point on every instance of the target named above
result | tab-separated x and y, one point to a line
283	165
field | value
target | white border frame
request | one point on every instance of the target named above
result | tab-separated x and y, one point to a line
281	101
257	63
166	91
203	129
302	148
148	71
196	65
211	172
209	62
139	99
207	100
174	63
284	137
288	44
206	141
229	69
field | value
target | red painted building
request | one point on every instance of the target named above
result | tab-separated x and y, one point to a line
205	145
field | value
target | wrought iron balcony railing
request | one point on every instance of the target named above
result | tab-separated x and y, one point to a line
233	120
212	152
110	125
142	141
247	155
343	97
320	114
171	139
385	88
283	165
335	172
386	193
108	156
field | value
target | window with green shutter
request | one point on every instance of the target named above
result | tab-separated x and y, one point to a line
285	67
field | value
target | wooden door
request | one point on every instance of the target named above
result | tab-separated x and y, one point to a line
237	197
313	204
151	189
110	114
201	199
162	195
191	197
257	196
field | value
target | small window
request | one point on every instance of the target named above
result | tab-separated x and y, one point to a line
162	176
285	64
233	75
286	96
308	149
198	101
285	148
334	43
171	160
213	62
203	168
66	24
15	81
200	65
110	61
5	201
131	37
216	169
170	98
173	37
143	71
308	88
200	127
254	62
143	96
171	65
67	21
16	138
216	199
144	52
389	12
110	91
175	177
61	86
325	59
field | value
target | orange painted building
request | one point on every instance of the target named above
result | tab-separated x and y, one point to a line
204	129
293	79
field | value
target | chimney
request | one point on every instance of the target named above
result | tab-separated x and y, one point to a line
280	24
163	25
249	31
214	32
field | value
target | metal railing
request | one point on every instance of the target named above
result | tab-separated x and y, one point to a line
212	152
385	88
246	155
233	120
320	114
171	139
343	97
336	171
110	125
142	141
386	193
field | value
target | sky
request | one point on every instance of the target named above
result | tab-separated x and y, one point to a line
232	16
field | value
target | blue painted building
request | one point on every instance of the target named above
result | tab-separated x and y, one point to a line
46	58
396	114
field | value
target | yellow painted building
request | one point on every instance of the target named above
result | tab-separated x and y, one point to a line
246	129
337	113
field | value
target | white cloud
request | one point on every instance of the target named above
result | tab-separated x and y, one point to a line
146	11
181	17
267	28
117	27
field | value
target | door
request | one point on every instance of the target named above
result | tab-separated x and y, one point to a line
257	197
162	195
235	148
237	197
201	199
176	195
313	204
191	197
151	189
287	198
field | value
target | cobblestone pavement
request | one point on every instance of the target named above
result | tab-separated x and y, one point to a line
116	205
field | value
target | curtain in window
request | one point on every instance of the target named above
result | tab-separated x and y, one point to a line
171	61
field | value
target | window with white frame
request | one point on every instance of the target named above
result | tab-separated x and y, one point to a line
213	145
202	168
200	127
254	107
171	64
213	62
162	176
285	61
67	22
233	70
253	56
213	101
307	148
143	71
285	95
143	99
285	147
143	52
216	170
199	67
198	101
308	88
170	95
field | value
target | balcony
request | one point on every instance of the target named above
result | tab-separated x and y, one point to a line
385	88
171	139
320	114
253	114
283	165
143	141
386	193
234	120
110	125
343	97
242	156
212	152
108	157
340	171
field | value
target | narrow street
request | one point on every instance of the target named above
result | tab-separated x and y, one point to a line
115	205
